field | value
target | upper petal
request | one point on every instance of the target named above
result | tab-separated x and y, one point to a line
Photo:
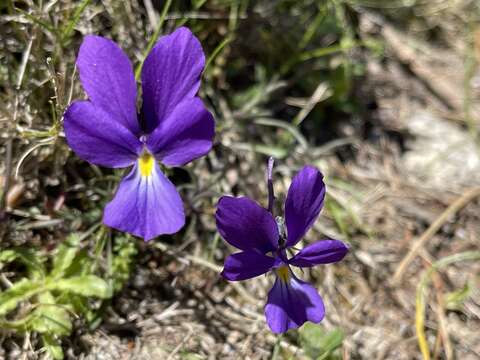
290	304
246	225
184	135
304	202
146	204
320	252
246	265
107	77
170	73
97	138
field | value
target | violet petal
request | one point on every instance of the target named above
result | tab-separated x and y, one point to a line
246	225
303	204
320	252
290	304
170	74
97	138
145	206
246	265
107	77
184	135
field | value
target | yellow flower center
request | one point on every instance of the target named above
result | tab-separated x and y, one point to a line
146	162
283	273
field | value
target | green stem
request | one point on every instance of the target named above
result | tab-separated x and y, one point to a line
153	39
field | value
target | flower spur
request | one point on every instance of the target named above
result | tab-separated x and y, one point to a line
264	244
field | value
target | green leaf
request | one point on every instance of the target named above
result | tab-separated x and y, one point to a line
53	347
276	152
293	130
420	299
318	343
125	250
65	255
455	299
216	51
20	291
7	256
87	285
49	317
68	29
338	214
38	21
46	318
28	257
81	265
80	306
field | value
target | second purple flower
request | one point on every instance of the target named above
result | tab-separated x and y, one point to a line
266	243
174	127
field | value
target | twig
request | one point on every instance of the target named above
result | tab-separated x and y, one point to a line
187	258
183	342
9	145
8	169
292	129
152	16
26	346
28	152
318	95
41	224
167	312
442	322
409	53
5	281
433	228
202	16
72	85
23	65
420	298
295	350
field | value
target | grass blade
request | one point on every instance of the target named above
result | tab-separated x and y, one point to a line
421	290
153	39
67	32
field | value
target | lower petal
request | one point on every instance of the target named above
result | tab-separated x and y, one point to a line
146	204
292	302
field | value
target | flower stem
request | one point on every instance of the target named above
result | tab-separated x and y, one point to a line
271	195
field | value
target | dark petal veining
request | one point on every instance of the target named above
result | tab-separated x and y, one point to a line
145	206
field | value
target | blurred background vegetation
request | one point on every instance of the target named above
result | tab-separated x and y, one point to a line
381	95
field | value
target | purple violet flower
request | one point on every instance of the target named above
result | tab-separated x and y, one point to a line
174	128
264	244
